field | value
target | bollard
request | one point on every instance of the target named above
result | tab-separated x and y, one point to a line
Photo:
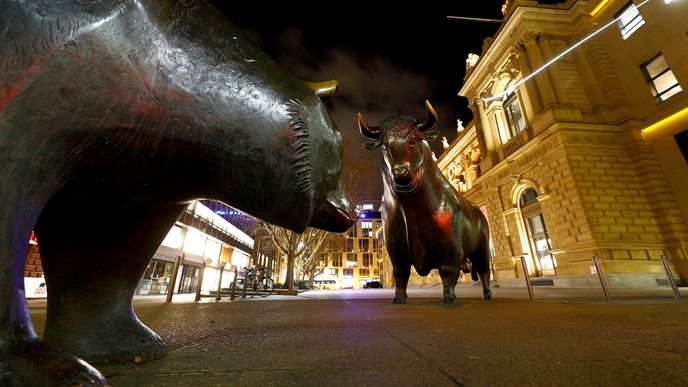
670	276
200	282
603	279
219	282
231	293
173	279
527	276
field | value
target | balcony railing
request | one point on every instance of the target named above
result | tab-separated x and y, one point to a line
515	143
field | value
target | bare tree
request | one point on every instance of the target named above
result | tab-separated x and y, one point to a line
298	248
317	259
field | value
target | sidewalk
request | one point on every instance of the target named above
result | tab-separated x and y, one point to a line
360	338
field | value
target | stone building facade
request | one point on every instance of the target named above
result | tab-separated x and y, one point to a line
583	154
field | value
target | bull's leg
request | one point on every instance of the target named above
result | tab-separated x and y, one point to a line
94	255
24	359
401	278
481	267
449	275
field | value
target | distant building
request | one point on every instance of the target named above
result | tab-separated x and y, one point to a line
588	155
358	262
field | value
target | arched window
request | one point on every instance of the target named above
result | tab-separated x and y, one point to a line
537	231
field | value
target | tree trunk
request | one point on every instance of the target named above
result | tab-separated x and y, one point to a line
290	270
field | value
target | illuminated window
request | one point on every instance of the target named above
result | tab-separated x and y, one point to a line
364	272
337	261
331	271
367	229
367	259
351	260
537	232
629	20
363	245
514	117
349	245
660	78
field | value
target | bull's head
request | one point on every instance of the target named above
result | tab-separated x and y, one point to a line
403	140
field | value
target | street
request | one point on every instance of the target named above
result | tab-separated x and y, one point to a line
357	337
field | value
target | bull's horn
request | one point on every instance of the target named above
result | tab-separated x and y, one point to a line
372	132
432	118
324	89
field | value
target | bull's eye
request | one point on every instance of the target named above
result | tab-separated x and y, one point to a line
411	141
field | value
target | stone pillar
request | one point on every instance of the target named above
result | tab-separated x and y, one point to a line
545	43
535	59
530	87
478	120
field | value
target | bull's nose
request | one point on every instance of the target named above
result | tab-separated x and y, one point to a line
400	171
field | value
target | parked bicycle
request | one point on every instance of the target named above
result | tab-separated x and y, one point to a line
259	281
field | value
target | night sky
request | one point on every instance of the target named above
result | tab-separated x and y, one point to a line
388	60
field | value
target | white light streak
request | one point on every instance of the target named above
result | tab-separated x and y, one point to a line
556	58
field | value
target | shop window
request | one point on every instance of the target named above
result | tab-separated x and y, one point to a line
682	141
661	79
537	232
514	117
629	20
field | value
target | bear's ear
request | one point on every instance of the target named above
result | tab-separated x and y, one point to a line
430	135
371	145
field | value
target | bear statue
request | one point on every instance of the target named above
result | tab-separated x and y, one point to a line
114	115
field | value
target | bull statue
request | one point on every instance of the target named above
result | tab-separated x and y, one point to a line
114	115
427	223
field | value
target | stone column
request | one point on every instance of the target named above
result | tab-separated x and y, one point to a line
535	59
478	120
530	87
545	43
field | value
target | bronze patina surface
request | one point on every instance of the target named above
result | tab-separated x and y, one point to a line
113	116
427	223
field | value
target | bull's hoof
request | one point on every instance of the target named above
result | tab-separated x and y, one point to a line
399	300
34	363
448	300
487	294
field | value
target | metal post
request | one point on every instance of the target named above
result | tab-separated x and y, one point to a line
173	280
200	282
670	276
231	293
219	282
602	277
527	277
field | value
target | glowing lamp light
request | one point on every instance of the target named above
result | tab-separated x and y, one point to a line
599	7
677	119
220	212
363	215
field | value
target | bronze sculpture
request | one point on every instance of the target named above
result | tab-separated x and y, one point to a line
427	223
114	114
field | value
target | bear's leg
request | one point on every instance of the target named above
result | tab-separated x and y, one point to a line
24	359
94	256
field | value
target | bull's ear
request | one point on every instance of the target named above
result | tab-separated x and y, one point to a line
324	89
371	145
430	135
